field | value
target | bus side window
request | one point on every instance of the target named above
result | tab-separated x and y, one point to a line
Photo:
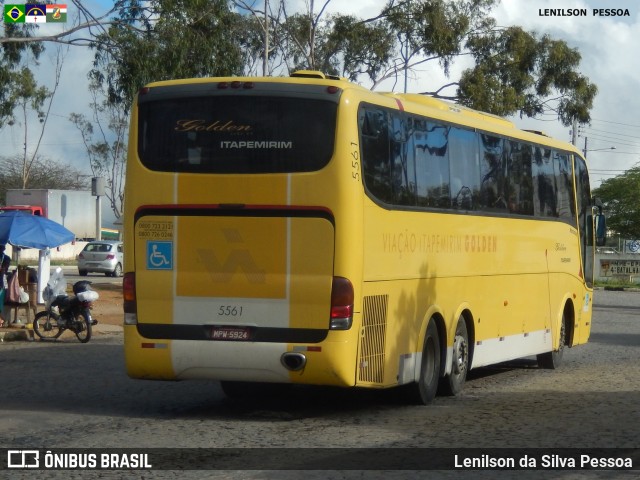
372	123
492	195
403	172
431	148
374	144
544	183
519	184
464	163
564	184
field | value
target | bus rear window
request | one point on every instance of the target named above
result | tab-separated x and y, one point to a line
236	134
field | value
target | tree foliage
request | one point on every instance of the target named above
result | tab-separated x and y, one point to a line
45	173
436	30
104	136
621	202
16	80
146	42
516	71
165	39
343	45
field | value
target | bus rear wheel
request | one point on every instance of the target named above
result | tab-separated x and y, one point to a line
424	390
553	360
452	384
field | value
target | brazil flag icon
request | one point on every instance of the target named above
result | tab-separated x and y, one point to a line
14	13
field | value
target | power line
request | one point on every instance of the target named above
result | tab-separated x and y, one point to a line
616	123
587	130
617	141
620	141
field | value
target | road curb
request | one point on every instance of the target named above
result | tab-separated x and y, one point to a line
12	334
25	333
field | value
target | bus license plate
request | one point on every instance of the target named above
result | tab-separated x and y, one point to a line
230	333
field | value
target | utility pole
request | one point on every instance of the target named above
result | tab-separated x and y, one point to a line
585	148
98	190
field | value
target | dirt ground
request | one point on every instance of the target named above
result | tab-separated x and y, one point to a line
108	308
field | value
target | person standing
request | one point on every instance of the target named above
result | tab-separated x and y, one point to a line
5	261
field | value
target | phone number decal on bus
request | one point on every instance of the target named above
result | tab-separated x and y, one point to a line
155	230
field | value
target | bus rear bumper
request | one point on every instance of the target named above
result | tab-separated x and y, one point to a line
326	363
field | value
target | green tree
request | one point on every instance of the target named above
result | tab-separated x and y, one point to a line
341	45
517	72
145	42
165	39
105	139
27	95
621	202
16	80
514	72
434	30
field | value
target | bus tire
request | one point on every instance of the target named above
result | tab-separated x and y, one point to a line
424	390
553	360
453	383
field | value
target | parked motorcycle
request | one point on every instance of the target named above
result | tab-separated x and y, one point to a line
63	312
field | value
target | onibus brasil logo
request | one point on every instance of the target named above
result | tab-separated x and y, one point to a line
35	13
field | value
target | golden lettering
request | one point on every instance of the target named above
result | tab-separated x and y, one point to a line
196	125
410	242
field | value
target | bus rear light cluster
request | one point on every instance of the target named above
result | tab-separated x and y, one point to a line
341	304
129	297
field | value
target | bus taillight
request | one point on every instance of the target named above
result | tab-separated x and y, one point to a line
129	297
341	304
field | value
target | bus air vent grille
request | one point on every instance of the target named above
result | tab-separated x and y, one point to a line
372	339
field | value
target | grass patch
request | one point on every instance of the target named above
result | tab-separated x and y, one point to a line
615	284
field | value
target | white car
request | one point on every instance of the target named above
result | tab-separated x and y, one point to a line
101	256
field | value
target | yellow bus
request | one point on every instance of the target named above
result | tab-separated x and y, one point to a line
307	230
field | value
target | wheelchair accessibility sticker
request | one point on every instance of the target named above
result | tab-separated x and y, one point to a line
159	255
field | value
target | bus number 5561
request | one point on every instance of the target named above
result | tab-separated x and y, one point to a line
230	311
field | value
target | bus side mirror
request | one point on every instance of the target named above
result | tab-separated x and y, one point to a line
601	223
601	230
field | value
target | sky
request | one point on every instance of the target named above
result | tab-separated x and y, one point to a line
609	46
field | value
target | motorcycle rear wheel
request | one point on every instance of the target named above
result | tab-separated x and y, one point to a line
82	327
45	325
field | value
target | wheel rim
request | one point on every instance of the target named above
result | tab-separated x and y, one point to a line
460	355
46	326
81	329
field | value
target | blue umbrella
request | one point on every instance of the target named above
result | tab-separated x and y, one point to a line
32	231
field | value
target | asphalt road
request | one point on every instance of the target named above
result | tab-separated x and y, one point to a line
71	274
